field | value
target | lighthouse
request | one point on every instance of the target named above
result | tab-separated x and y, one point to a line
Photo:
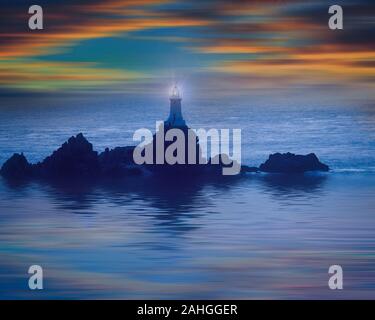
175	118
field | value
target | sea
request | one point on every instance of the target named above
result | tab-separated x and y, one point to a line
256	236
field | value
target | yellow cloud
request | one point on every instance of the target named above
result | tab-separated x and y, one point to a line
28	74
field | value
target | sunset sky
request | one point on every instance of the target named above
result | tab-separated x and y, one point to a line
222	47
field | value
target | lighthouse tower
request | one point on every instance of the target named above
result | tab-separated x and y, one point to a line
175	118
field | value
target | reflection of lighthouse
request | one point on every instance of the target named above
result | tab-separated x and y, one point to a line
175	118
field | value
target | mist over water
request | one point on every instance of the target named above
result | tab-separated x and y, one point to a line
257	236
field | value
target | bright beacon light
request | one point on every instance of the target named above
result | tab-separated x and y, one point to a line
175	93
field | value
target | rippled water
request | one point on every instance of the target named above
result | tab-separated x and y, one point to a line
259	236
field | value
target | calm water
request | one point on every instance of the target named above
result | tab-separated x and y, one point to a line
253	237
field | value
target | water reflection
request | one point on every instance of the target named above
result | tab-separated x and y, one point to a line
294	186
170	238
171	202
171	196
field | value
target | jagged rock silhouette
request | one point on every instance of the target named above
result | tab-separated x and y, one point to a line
292	163
16	167
76	159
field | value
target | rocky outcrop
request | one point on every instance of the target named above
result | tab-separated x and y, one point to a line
292	163
16	167
75	158
118	162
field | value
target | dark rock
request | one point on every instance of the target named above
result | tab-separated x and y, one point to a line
118	162
292	163
16	167
75	158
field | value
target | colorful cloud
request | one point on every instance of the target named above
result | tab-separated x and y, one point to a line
252	42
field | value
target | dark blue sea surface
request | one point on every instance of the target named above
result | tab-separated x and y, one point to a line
257	236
